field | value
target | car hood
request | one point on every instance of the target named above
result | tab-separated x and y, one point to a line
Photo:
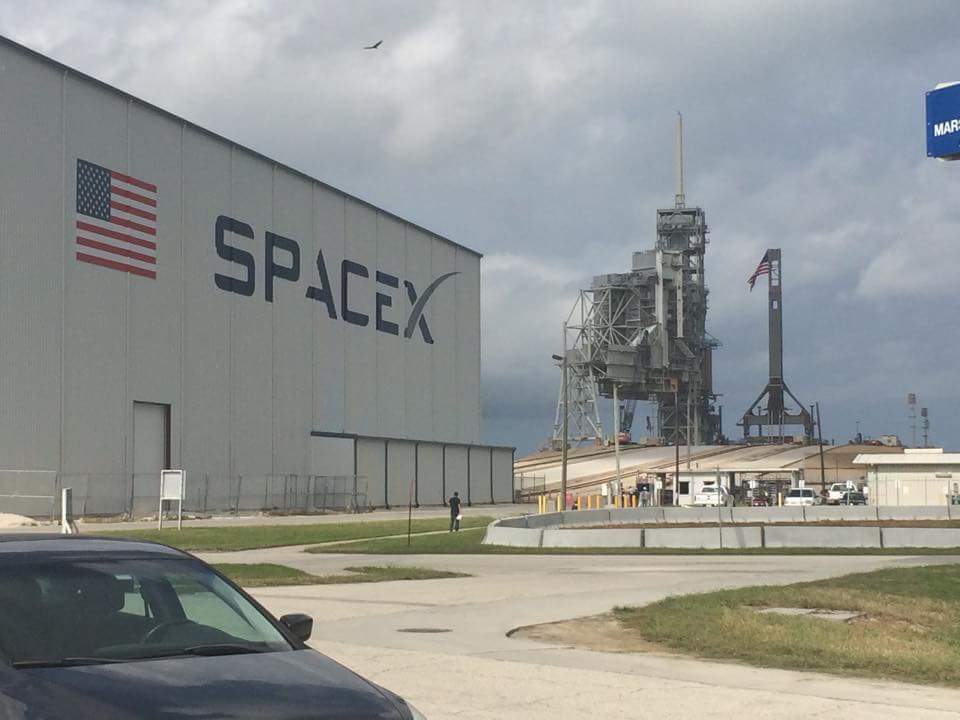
294	685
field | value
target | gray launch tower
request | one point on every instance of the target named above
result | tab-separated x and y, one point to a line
644	332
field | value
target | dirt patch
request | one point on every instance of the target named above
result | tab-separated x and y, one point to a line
10	520
599	632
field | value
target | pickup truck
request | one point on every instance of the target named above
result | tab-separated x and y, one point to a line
836	492
710	497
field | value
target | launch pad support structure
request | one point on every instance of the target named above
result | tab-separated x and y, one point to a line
641	336
774	414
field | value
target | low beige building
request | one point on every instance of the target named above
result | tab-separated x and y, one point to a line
917	476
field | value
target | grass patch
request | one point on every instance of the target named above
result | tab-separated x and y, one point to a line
265	536
469	542
910	630
270	575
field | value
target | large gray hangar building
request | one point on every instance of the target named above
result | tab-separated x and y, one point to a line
169	298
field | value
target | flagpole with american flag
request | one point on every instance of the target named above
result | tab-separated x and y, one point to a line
762	269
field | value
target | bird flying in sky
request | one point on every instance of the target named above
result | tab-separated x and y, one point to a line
375	46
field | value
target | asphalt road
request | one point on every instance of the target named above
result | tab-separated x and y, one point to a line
474	671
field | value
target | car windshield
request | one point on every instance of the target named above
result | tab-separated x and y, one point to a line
800	493
67	612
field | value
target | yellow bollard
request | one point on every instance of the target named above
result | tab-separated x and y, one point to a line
633	500
616	501
558	503
589	502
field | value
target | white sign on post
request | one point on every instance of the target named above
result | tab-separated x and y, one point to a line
172	487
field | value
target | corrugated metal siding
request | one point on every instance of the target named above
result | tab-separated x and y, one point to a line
371	465
31	260
480	485
401	465
455	463
502	475
247	380
430	479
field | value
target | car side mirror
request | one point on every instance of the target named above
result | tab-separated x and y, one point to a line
299	624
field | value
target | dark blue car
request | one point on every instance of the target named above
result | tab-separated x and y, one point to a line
120	629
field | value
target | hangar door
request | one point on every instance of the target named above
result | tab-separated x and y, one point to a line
151	445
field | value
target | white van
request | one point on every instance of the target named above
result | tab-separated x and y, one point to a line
801	496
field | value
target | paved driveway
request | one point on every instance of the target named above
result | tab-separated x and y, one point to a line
474	671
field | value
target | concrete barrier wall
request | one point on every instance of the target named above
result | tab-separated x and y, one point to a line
513	537
624	516
767	514
708	538
546	520
586	517
696	515
915	512
608	537
703	538
797	536
845	513
921	537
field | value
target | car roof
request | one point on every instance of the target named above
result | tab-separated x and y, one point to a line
49	546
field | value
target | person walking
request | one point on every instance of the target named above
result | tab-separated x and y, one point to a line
455	506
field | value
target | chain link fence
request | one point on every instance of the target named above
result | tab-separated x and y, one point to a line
35	493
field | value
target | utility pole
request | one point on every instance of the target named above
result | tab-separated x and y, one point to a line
823	469
616	433
566	419
676	435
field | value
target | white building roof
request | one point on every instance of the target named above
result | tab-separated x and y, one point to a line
910	456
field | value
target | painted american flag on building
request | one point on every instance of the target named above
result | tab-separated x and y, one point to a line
116	220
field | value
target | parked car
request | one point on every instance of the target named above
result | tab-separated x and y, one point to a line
760	501
802	496
853	497
712	496
120	629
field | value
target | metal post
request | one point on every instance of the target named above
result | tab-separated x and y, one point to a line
616	432
676	436
67	525
566	421
719	511
823	470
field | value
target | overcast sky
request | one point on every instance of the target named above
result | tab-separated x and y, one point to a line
541	134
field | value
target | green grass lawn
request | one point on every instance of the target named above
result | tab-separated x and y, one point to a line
469	542
910	629
264	536
269	575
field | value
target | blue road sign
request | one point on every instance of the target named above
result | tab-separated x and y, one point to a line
943	122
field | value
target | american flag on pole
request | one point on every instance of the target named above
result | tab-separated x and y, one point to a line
116	220
762	269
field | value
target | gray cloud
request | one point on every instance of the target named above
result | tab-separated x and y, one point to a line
541	134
